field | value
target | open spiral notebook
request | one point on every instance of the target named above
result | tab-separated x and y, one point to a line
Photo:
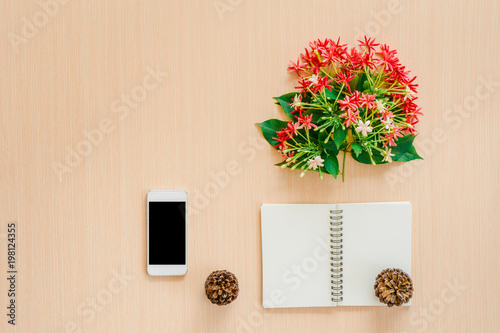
316	255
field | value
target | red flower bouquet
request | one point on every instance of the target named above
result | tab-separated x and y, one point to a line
359	101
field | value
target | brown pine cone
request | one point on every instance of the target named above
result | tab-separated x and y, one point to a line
221	287
393	287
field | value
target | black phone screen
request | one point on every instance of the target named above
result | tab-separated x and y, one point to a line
167	233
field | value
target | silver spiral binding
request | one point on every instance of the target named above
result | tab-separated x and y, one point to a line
336	255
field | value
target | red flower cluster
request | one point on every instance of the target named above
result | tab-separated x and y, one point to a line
290	131
361	98
329	60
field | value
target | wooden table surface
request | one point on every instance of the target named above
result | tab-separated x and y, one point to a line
102	101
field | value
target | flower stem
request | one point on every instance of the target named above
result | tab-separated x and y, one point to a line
343	167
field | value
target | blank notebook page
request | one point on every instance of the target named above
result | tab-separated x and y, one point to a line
376	236
295	255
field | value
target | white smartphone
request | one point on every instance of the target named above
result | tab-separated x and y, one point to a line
167	232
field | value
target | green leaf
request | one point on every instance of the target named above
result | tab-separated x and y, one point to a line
354	82
331	94
410	155
285	101
366	85
330	145
269	129
364	157
356	148
343	146
404	145
339	136
403	152
316	115
331	164
361	83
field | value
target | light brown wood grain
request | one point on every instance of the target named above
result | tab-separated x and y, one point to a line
225	60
